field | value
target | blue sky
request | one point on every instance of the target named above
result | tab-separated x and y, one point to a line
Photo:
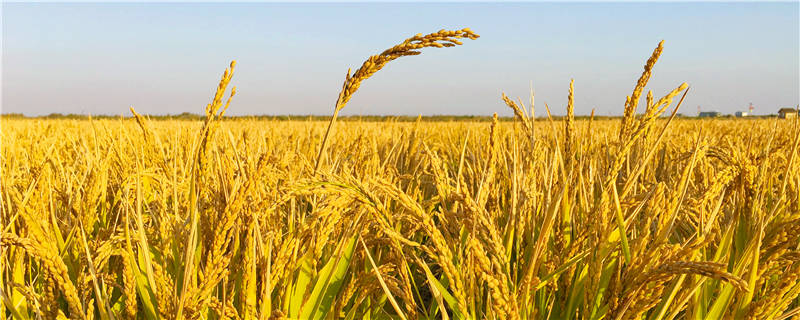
163	58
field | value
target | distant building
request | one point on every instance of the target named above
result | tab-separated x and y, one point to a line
787	113
740	114
709	114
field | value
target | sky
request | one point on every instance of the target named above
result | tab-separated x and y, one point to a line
167	58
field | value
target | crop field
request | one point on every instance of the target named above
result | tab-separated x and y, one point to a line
646	216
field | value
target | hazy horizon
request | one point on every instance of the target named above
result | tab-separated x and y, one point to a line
166	58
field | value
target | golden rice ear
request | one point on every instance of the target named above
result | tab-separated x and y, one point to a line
569	123
409	47
631	102
519	112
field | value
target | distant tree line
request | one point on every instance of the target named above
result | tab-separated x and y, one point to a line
366	118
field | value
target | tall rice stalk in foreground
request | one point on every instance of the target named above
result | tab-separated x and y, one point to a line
409	47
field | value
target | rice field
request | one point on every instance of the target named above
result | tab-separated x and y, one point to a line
647	216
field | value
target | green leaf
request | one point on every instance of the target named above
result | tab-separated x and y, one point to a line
571	262
18	304
451	301
146	293
576	293
723	301
298	292
328	283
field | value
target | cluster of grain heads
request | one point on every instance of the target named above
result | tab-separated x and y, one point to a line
624	187
650	217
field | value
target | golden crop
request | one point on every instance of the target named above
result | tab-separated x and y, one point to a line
644	217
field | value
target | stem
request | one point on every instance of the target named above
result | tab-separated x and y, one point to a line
328	132
626	251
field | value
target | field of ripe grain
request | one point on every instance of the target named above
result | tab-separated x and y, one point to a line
404	220
642	217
